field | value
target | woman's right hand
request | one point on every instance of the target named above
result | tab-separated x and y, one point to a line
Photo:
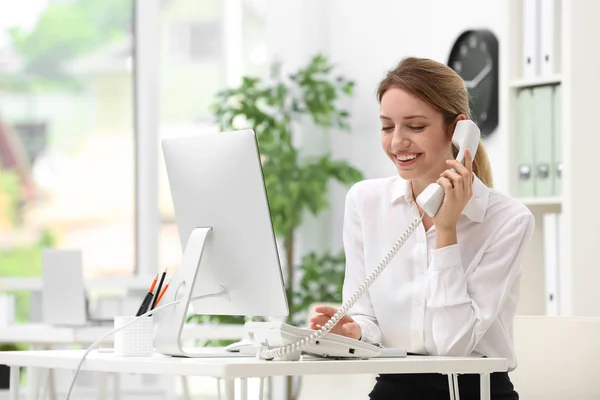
345	326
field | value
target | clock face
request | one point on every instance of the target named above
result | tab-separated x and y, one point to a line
474	57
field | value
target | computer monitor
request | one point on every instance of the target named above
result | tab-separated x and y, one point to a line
230	263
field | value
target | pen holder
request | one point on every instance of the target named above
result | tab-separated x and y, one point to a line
137	339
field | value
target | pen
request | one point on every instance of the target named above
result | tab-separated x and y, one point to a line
147	299
153	284
149	296
162	292
160	284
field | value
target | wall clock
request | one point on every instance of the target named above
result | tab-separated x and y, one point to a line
474	56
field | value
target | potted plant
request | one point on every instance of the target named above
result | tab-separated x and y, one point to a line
295	185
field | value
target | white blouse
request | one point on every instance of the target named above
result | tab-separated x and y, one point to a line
457	300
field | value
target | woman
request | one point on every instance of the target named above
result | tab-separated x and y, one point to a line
452	289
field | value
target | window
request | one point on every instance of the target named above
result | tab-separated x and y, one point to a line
224	39
66	135
67	145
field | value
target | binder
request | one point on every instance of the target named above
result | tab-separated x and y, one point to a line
544	171
524	151
550	35
557	133
551	231
531	38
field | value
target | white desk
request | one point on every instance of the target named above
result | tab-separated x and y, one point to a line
43	336
231	368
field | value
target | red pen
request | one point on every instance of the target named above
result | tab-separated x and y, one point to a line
153	284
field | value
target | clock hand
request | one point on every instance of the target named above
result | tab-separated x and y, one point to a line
480	76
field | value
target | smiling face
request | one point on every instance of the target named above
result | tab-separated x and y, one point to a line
414	136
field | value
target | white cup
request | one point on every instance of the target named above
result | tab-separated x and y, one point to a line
137	339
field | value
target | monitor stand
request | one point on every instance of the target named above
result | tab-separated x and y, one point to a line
168	335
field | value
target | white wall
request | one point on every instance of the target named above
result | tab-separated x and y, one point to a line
296	31
580	275
289	37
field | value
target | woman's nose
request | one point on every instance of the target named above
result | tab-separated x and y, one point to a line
399	141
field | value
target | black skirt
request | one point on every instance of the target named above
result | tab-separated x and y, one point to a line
435	386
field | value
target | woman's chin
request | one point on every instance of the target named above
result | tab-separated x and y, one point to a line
407	175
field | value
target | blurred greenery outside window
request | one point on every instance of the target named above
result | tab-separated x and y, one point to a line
66	137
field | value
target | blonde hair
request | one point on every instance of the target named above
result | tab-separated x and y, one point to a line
443	89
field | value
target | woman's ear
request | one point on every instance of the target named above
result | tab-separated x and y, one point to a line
460	117
452	126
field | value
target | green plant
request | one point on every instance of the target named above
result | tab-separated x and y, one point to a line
10	347
63	32
322	281
295	184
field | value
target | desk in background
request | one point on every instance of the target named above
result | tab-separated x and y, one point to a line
46	335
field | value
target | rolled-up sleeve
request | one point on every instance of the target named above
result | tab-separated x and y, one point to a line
362	312
465	300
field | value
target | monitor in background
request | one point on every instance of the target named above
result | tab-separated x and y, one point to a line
63	291
64	298
230	264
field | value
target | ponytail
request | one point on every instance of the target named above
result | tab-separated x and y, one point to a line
482	167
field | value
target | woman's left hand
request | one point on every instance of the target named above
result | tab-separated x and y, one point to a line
458	189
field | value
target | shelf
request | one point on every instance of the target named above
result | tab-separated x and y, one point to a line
541	201
532	82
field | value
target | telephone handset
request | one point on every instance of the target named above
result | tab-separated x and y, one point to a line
466	136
